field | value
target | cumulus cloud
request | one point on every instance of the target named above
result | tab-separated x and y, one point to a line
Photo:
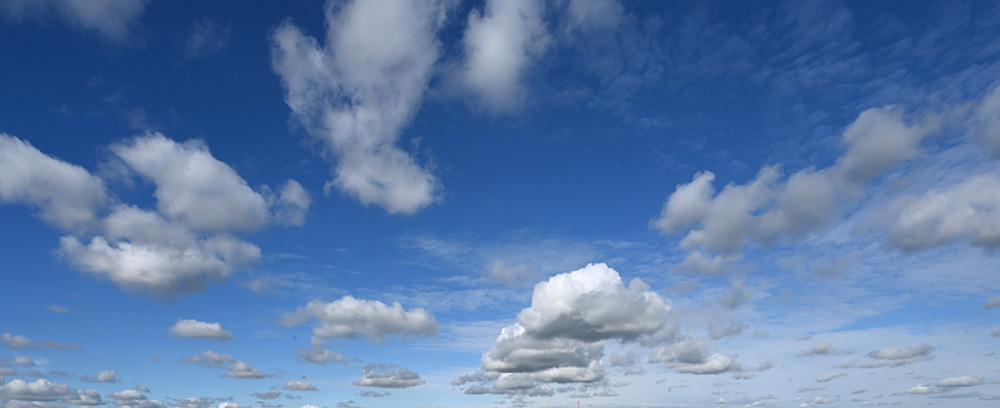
962	381
299	386
106	376
114	20
388	376
921	389
188	241
501	42
823	348
42	392
560	337
134	399
22	361
965	212
201	330
899	356
357	93
237	369
67	196
830	376
349	317
771	207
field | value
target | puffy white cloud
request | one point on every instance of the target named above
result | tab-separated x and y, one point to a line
966	212
15	341
193	187
115	20
134	399
243	371
560	337
962	381
388	376
66	195
320	356
592	304
39	390
360	90
830	376
349	317
299	386
899	356
106	376
196	329
187	242
770	208
501	42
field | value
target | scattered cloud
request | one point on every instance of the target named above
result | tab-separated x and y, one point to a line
134	399
501	41
299	386
321	356
267	395
237	369
15	341
58	309
202	330
19	393
831	376
349	317
388	376
962	381
992	303
963	212
379	57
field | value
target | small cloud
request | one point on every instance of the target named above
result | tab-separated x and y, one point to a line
206	39
992	303
374	394
830	376
106	376
201	330
15	341
23	361
963	381
267	395
299	386
388	376
142	388
921	389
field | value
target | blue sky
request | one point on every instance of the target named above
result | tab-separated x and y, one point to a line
499	203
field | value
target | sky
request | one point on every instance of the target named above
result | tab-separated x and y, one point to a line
499	203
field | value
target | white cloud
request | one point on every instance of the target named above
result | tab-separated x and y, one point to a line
106	376
243	371
966	212
962	381
15	341
192	187
134	399
899	356
500	44
267	395
58	309
823	348
206	39
196	329
560	337
299	386
115	20
42	393
921	389
378	57
830	376
584	14
388	376
770	208
66	195
349	317
189	241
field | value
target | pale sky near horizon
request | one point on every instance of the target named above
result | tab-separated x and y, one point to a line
446	203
